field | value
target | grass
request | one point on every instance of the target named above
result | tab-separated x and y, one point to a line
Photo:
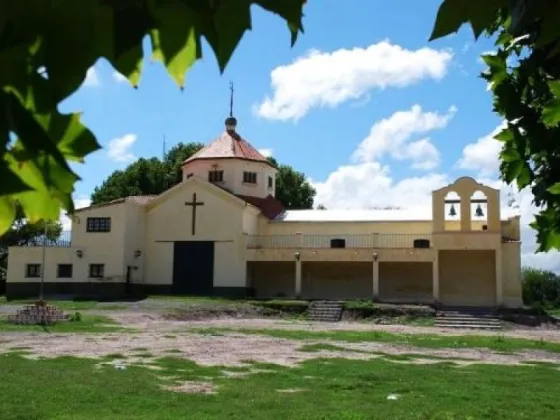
88	324
69	388
498	343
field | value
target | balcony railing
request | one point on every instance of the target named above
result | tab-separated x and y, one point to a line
64	241
375	240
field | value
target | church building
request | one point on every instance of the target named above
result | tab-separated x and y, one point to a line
222	232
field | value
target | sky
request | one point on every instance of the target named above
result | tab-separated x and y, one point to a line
371	112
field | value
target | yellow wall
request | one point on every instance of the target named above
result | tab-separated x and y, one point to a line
467	278
19	257
337	280
272	279
220	220
511	274
405	282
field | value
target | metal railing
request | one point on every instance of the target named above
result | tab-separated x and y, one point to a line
372	240
63	241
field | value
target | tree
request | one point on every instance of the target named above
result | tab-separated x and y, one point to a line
46	49
540	287
523	76
23	233
292	188
152	176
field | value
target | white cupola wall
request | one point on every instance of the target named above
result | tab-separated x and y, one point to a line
232	163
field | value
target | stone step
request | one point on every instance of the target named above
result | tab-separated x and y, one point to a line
467	318
468	322
472	326
327	311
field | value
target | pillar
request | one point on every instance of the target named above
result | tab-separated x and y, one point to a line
465	212
297	256
435	277
375	276
499	283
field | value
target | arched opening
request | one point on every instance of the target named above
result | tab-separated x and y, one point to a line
479	211
452	211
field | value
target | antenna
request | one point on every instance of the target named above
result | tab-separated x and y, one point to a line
231	99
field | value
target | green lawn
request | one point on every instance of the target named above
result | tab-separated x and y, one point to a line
75	389
88	324
497	342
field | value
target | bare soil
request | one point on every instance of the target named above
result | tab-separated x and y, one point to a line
158	337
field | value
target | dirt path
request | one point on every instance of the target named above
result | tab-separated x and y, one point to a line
237	349
155	322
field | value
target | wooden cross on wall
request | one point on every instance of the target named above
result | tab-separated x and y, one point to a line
194	204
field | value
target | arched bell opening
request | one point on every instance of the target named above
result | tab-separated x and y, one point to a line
479	211
452	210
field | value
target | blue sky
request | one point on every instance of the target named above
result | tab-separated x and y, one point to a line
363	104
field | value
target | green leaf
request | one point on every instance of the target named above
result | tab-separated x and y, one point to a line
555	88
72	138
289	10
232	19
483	14
450	17
11	183
551	113
524	176
506	135
175	40
510	155
7	213
555	189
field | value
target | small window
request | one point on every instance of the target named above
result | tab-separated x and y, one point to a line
216	176
189	176
98	224
250	177
64	271
96	271
33	270
270	182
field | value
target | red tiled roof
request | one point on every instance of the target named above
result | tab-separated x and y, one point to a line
229	145
140	200
269	206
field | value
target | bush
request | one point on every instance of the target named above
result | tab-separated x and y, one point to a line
541	288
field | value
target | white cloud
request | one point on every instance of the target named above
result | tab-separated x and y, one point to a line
119	77
118	149
92	78
391	136
482	155
266	152
330	78
362	185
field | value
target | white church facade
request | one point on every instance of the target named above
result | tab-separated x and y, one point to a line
222	232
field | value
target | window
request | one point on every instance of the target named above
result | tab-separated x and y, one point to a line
33	270
216	176
270	182
189	176
250	177
64	271
98	224
96	271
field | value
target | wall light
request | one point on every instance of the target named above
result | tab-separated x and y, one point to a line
137	253
79	253
297	256
375	256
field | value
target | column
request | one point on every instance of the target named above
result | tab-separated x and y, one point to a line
435	277
499	284
375	277
297	256
465	212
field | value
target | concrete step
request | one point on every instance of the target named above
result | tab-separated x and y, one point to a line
327	311
468	318
471	326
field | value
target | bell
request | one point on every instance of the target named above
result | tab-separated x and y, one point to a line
452	211
479	212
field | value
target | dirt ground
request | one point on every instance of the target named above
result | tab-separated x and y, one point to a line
156	337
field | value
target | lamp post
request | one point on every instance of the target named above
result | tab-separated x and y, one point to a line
43	262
